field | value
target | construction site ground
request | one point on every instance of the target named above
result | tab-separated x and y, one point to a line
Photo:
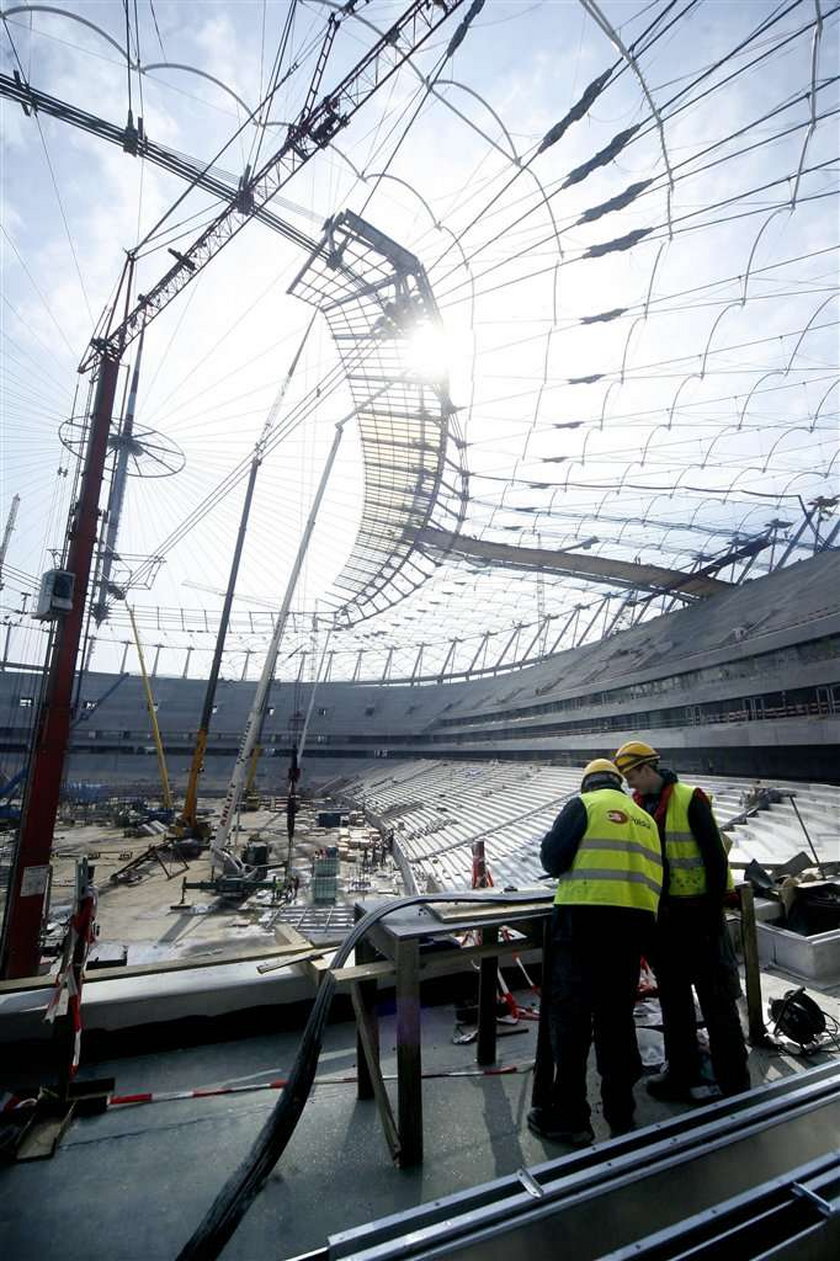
147	912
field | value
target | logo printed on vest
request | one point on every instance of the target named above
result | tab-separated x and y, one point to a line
617	816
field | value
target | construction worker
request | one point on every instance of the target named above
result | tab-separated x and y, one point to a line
691	948
607	856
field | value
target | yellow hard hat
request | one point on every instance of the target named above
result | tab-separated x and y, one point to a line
635	753
600	766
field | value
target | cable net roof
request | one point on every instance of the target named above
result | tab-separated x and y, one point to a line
627	215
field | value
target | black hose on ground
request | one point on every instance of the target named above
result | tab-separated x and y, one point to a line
241	1188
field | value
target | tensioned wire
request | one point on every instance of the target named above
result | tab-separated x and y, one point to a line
642	133
656	232
428	87
526	164
655	186
719	221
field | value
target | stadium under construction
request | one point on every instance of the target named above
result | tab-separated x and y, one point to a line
497	428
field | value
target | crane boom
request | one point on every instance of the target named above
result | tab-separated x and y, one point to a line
189	817
310	133
7	534
253	727
166	791
138	144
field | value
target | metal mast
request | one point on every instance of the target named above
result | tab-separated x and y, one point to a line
117	496
188	818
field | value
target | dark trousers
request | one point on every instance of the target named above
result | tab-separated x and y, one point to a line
691	950
594	976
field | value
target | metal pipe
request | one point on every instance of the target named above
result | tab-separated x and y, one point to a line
125	445
811	845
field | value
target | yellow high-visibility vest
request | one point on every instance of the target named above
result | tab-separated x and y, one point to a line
687	872
619	859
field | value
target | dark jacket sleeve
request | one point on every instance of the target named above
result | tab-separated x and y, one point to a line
705	831
559	846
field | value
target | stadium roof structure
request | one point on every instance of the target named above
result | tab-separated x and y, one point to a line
377	301
588	256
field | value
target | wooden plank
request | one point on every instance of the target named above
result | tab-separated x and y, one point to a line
288	935
367	1027
167	965
409	1064
488	971
455	911
316	968
543	1080
366	995
749	939
274	965
439	963
377	971
44	1134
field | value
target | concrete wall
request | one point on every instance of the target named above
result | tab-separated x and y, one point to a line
744	682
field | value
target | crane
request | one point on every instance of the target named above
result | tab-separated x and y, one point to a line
310	133
137	143
187	822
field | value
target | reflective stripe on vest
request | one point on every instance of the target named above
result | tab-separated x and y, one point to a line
619	859
685	862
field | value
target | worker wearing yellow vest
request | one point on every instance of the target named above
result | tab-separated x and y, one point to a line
607	856
691	948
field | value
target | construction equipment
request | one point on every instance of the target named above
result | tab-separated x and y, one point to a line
10	813
309	134
187	823
253	728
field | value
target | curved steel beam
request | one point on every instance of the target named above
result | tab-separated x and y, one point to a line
593	568
177	65
72	17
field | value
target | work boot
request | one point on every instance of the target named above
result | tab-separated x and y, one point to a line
542	1123
736	1087
669	1089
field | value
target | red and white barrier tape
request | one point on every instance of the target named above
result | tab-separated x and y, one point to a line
167	1096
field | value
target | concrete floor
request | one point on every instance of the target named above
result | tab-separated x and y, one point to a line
134	1183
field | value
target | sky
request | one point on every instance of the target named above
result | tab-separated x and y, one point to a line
657	402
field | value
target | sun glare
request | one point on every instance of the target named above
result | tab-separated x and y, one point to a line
428	353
